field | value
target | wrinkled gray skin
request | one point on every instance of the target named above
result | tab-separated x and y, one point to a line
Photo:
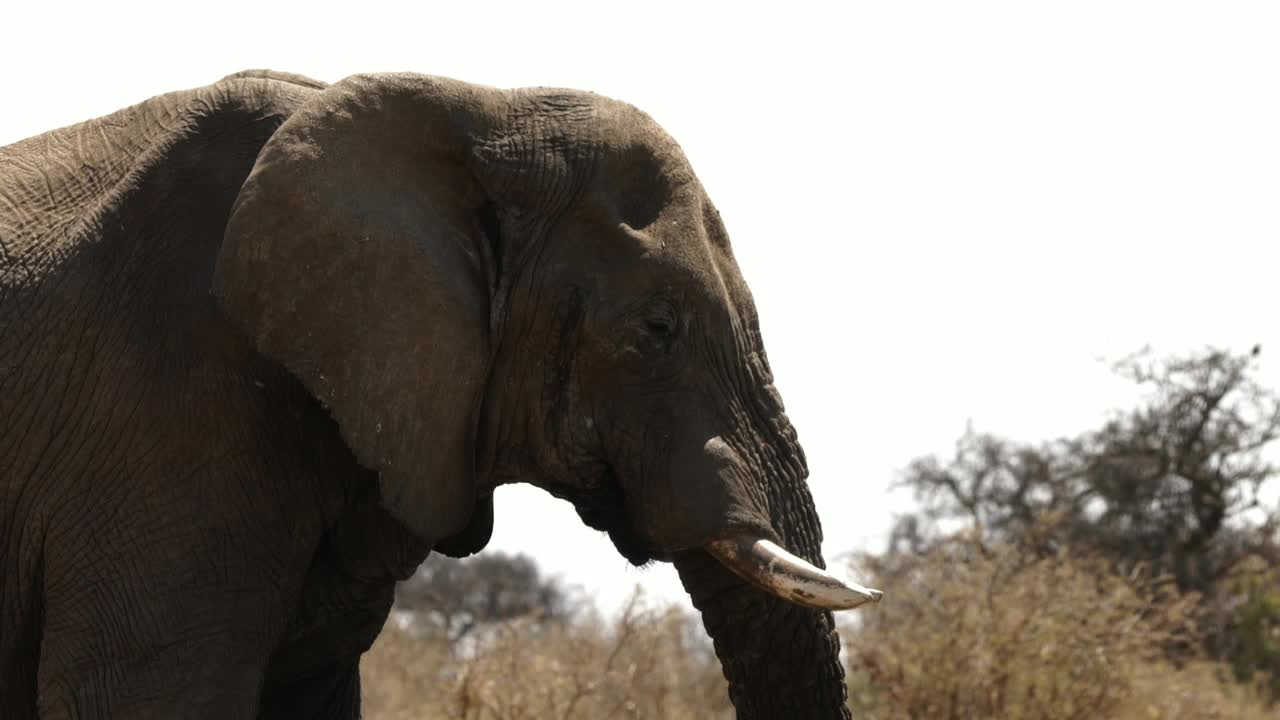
266	344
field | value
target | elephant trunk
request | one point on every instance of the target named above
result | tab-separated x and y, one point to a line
781	658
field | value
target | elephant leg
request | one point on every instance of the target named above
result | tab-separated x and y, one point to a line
331	694
131	654
19	655
346	597
159	611
151	684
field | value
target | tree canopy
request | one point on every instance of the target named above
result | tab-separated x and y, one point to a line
1182	486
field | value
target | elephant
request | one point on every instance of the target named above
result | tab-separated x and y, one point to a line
268	343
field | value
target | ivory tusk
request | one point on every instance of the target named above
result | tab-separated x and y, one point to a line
776	571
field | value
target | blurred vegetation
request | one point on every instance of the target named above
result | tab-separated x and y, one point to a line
558	658
1173	488
989	630
449	599
1132	571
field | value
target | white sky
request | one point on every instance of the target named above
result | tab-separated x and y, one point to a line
946	211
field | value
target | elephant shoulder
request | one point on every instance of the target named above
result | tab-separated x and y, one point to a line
61	186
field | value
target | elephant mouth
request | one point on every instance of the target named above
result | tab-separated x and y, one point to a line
747	552
601	504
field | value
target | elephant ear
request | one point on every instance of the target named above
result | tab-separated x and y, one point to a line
359	254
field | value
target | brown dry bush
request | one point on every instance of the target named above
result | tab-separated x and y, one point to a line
649	663
966	631
971	631
1200	690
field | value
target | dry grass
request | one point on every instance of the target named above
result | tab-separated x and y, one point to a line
965	632
1200	690
650	663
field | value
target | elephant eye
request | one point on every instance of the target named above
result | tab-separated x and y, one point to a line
661	322
662	326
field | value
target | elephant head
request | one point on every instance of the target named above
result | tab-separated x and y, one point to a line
489	286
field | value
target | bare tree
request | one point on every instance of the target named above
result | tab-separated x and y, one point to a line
1175	483
1174	486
